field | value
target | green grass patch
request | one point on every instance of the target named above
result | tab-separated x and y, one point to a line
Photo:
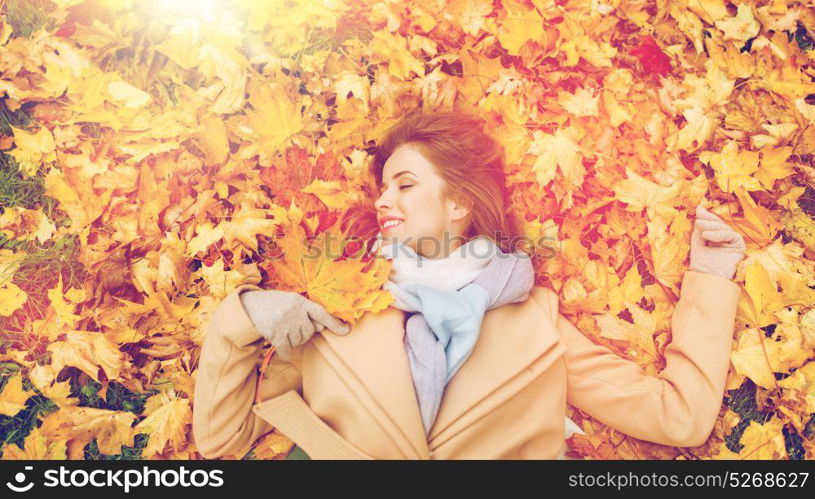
27	16
92	453
8	118
742	401
14	429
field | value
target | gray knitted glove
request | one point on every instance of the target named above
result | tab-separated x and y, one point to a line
715	248
287	320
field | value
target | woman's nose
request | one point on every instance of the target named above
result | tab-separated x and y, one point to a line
382	202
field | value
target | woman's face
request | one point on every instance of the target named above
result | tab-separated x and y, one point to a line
412	194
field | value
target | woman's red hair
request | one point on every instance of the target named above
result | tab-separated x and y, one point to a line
471	162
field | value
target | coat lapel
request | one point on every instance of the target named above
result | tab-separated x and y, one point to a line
512	337
372	354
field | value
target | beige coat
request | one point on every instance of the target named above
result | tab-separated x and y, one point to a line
352	397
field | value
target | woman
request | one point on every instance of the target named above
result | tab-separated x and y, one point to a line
472	361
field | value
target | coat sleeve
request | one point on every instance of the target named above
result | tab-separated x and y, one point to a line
223	422
678	406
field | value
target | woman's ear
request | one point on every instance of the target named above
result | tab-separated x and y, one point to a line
459	209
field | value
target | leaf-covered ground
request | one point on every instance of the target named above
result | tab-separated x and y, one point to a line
154	155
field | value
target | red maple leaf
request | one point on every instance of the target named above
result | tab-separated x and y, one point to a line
651	57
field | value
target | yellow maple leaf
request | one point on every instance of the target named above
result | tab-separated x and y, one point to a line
577	300
618	112
125	94
13	397
353	129
518	24
346	288
206	234
630	290
64	303
776	134
763	441
740	27
640	193
88	351
292	17
272	446
44	378
733	168
778	259
221	282
75	197
181	45
582	102
763	297
11	298
758	357
392	48
640	334
60	316
10	261
87	90
33	149
803	379
800	226
331	193
350	82
213	139
788	350
560	149
668	253
24	224
758	225
698	129
231	68
37	446
166	423
111	429
245	225
172	270
274	117
709	10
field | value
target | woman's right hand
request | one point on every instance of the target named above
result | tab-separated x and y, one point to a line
287	319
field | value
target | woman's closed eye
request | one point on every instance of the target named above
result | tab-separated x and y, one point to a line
403	187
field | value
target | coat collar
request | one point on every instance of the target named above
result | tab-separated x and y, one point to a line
373	354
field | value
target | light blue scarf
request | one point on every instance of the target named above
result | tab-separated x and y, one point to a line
444	329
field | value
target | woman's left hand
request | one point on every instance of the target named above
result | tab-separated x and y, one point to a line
715	248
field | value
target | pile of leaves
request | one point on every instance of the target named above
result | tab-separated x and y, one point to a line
154	155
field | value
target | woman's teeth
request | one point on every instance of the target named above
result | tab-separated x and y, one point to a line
391	223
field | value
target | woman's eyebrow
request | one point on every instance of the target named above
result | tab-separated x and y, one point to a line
382	185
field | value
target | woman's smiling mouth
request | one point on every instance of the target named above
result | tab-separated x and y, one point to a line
390	224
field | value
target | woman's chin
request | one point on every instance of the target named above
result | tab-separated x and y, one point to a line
387	239
395	240
397	237
391	234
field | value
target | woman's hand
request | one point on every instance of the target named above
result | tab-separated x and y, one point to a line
715	248
287	319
